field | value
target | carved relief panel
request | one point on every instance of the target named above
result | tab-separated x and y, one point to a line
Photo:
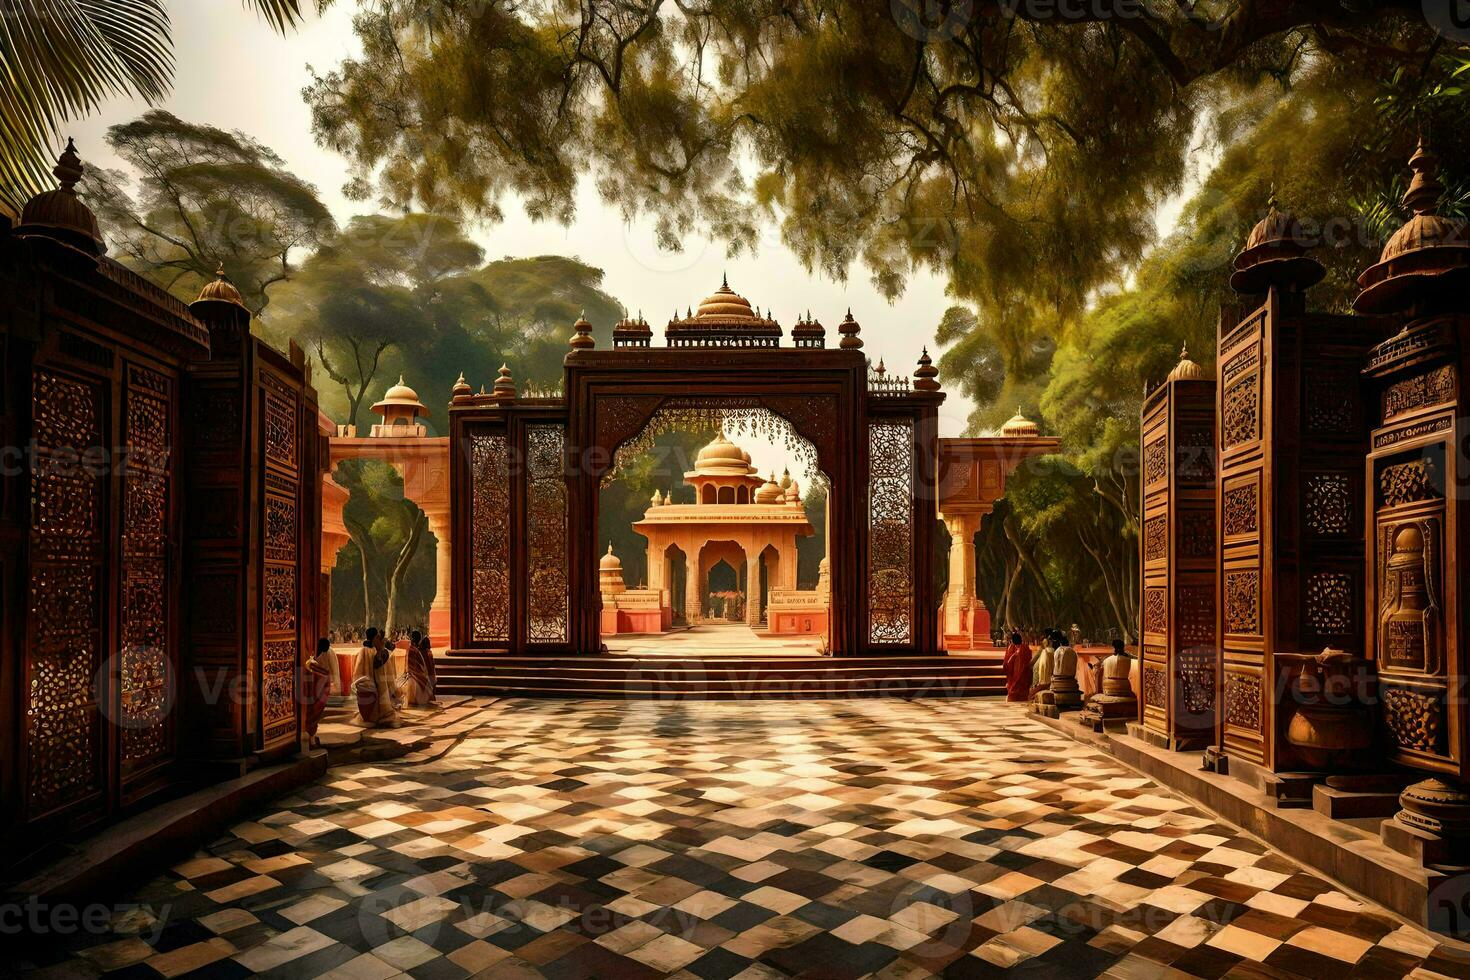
890	532
489	538
147	662
63	734
547	564
280	623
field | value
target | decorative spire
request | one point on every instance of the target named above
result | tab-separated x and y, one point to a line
1425	188
461	388
505	386
850	331
582	335
69	169
926	373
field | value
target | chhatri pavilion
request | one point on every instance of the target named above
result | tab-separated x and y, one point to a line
748	523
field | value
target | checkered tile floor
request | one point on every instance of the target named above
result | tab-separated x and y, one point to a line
706	839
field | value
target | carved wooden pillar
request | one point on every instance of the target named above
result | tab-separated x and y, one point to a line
1291	432
1177	671
693	594
1419	526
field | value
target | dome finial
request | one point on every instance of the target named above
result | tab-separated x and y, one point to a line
68	169
1425	188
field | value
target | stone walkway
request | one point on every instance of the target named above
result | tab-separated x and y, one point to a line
718	839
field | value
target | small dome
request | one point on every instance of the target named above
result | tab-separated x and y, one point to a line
461	388
220	290
725	303
400	397
722	458
62	211
770	492
610	561
1019	426
1186	370
1275	253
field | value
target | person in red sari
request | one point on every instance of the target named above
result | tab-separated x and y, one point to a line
317	680
1017	667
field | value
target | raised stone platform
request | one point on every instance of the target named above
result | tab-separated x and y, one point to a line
720	678
1348	849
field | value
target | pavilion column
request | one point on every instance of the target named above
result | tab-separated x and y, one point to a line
959	598
693	604
753	590
439	611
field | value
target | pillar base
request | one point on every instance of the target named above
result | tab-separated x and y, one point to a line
439	628
1433	823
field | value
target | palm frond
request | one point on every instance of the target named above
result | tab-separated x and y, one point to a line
59	59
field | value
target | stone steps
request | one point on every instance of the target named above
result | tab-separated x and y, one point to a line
724	678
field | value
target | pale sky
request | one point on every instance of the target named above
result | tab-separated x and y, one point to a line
234	72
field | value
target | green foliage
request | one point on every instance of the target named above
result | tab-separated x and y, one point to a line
380	521
205	198
62	58
408	295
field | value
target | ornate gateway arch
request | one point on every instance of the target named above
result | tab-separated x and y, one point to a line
526	468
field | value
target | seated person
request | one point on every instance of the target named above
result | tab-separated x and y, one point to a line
418	685
373	683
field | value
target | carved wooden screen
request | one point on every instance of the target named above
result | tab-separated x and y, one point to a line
1415	592
147	672
490	523
1177	672
547	564
1291	490
1242	390
891	532
281	454
64	769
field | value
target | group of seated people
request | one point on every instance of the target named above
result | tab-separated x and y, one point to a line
377	688
1027	675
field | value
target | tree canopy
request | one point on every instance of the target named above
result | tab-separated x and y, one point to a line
205	199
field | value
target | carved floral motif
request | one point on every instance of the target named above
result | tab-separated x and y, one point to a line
1328	504
1155	610
1414	720
1243	601
1240	507
1243	701
1240	421
1329	606
1156	538
1409	483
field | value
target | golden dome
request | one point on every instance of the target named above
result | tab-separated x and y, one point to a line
220	290
722	458
400	396
725	304
770	492
1186	370
610	561
1019	426
62	211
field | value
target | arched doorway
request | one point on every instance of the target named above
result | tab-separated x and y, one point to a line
675	575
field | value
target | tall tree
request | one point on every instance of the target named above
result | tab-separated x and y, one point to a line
384	281
61	58
205	198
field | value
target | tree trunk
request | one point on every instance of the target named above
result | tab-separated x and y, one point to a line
401	563
361	537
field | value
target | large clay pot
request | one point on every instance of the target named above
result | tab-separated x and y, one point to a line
1330	721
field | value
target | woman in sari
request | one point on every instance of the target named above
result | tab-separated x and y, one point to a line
1017	667
418	686
318	684
373	683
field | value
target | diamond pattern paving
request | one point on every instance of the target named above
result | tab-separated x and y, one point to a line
718	839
